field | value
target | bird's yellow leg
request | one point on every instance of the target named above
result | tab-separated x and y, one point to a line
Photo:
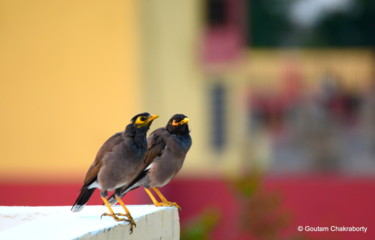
153	199
114	215
111	212
165	202
127	213
161	196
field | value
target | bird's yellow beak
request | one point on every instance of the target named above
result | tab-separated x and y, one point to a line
183	121
152	118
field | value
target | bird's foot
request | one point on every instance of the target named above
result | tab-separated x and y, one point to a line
129	219
168	204
132	223
115	217
172	204
121	214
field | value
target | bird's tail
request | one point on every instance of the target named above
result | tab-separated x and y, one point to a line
82	199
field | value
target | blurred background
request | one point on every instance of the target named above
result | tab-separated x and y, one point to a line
280	96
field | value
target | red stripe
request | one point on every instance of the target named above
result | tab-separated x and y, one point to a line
313	201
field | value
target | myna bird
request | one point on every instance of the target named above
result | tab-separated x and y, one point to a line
119	161
167	149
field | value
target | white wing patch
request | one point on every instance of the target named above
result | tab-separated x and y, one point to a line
149	166
94	185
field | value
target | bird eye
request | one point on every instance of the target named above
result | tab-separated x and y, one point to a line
143	118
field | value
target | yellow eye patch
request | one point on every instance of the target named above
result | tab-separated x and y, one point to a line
140	120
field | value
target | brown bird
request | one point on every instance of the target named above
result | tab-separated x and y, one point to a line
119	161
167	149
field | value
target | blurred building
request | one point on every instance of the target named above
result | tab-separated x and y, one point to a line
256	103
196	59
295	113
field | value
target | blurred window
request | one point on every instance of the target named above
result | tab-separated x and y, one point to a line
218	102
216	12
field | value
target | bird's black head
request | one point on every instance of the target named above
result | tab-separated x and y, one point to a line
178	124
143	120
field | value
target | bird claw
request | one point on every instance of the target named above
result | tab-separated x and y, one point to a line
132	224
168	204
116	218
122	214
174	205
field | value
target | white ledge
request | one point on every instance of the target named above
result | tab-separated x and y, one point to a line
44	223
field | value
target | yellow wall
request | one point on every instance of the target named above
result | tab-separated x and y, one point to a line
68	80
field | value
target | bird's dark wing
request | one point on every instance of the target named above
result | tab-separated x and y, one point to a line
107	147
92	173
155	145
